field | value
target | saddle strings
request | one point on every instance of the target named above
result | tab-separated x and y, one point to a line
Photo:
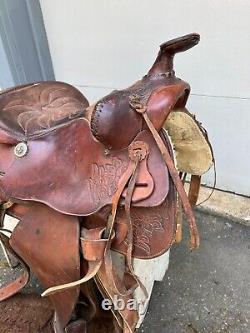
128	201
194	234
128	178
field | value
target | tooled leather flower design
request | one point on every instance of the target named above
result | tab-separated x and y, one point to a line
144	228
43	110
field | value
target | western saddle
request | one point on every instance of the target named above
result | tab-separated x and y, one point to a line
88	182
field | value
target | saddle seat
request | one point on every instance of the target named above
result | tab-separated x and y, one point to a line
37	108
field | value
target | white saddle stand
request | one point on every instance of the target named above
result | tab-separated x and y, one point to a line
149	271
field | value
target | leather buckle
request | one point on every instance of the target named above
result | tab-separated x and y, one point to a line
138	150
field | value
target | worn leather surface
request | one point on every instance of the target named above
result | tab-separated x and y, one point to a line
38	108
71	172
116	124
153	228
164	60
48	242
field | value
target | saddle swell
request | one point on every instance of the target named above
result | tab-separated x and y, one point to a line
159	90
115	123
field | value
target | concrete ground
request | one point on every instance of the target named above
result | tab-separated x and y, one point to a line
207	291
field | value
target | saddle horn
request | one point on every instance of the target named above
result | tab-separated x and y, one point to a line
164	60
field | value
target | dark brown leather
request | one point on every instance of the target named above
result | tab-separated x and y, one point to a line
164	60
89	180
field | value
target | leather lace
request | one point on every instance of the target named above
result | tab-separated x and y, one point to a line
194	234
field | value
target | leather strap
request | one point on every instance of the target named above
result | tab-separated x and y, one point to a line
179	215
93	248
116	197
194	189
130	282
126	318
193	195
138	152
15	286
115	280
194	234
179	218
94	266
129	238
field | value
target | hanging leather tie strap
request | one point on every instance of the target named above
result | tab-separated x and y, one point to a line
138	150
194	189
179	215
194	234
116	197
193	194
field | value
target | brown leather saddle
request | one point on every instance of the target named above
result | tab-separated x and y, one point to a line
88	181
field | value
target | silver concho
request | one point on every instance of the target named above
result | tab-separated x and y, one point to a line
21	149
